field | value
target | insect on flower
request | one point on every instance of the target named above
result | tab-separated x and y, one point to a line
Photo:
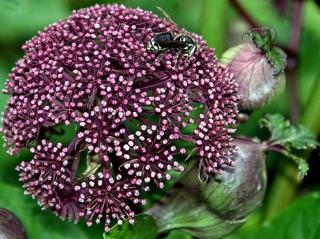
127	112
167	41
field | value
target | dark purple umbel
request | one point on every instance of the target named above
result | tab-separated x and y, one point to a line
92	69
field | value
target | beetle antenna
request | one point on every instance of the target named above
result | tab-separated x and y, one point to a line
166	15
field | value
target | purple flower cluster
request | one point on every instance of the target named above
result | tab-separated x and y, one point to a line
49	179
93	70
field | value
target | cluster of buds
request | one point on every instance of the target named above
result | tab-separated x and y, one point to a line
93	70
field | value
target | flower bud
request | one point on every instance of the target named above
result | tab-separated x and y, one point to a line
260	81
216	208
10	226
241	189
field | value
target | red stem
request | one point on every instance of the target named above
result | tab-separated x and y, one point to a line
291	52
244	14
292	62
296	25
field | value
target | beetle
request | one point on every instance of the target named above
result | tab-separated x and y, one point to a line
166	41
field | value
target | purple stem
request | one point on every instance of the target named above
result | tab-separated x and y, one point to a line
275	147
72	146
296	25
292	53
244	14
294	105
75	164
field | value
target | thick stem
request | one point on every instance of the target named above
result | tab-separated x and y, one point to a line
296	25
244	14
284	188
292	63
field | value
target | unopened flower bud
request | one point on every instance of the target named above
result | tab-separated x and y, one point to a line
10	226
216	208
239	190
258	68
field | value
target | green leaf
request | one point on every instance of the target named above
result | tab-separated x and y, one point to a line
178	235
301	220
264	39
286	135
301	162
33	18
144	227
12	6
38	223
278	59
275	123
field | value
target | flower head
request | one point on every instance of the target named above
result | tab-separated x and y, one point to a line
48	178
103	196
150	154
130	105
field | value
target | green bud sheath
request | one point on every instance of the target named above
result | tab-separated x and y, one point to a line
260	80
214	209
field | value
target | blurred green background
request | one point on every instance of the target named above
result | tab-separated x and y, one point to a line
291	209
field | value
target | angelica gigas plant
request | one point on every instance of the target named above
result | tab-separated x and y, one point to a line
149	102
